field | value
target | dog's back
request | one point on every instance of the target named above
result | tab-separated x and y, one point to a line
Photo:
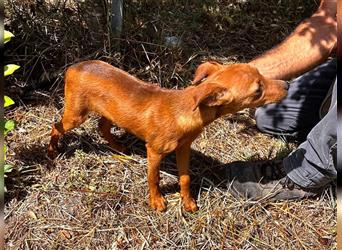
111	92
86	77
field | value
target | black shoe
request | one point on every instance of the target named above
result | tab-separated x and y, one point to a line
265	180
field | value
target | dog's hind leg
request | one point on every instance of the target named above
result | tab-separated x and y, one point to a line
73	117
104	126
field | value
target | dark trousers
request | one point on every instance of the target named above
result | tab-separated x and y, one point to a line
313	163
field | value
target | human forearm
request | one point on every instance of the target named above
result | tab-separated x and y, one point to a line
309	44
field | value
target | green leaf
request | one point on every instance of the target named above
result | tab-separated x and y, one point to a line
9	125
8	101
8	168
8	36
10	68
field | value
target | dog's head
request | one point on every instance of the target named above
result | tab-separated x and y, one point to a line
235	87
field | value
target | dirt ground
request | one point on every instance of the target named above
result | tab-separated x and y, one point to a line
92	198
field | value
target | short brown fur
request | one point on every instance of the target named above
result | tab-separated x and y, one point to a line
167	120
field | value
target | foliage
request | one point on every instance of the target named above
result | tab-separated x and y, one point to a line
8	125
8	35
10	68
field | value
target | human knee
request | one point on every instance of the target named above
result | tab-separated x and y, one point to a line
262	119
275	122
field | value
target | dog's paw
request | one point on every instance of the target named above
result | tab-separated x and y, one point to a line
158	203
190	205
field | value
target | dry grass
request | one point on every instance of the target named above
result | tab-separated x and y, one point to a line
90	198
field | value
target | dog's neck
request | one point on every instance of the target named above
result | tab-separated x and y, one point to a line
187	116
182	103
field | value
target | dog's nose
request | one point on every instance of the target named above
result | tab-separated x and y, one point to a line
286	85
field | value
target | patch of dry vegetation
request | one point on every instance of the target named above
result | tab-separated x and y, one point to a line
89	197
92	198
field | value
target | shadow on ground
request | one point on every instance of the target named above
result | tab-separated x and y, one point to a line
206	171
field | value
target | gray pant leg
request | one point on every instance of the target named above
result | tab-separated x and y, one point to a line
298	112
313	164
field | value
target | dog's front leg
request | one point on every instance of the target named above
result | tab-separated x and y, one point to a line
183	158
157	201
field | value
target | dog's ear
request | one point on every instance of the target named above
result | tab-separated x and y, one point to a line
211	95
204	70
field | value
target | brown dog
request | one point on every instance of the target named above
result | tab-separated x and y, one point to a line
166	120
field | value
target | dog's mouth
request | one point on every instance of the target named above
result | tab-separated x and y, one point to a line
276	100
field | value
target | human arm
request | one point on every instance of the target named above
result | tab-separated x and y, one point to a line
309	44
